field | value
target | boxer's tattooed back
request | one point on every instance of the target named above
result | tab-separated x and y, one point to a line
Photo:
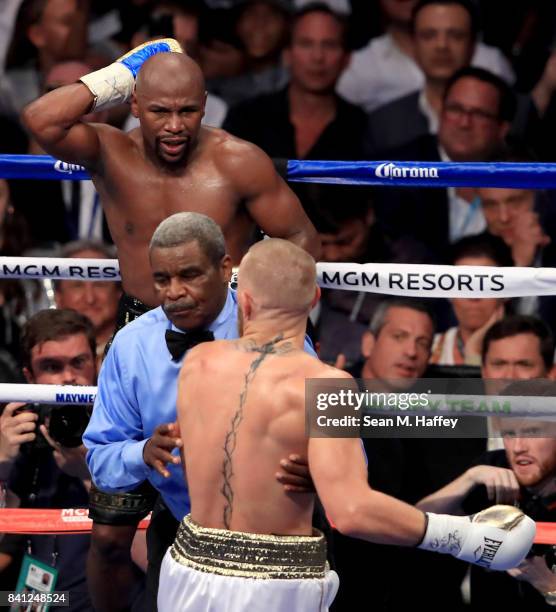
230	441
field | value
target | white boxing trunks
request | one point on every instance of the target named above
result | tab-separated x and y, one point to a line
214	570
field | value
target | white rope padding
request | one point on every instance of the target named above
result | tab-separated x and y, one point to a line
420	280
60	268
47	394
540	407
411	280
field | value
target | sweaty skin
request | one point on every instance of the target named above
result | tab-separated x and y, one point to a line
241	408
170	164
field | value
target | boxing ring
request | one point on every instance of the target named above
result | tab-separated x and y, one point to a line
408	280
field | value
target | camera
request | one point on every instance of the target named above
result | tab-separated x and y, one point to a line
39	443
66	424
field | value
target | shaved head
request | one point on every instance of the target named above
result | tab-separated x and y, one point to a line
165	71
169	101
278	275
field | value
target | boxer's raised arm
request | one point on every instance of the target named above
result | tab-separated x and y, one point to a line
339	472
269	201
54	121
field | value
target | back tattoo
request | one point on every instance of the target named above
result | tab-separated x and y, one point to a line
230	442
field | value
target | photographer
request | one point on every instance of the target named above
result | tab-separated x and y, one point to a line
56	349
523	474
42	459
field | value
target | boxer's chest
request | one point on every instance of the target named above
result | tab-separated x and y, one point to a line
139	189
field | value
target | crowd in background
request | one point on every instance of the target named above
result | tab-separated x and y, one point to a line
435	80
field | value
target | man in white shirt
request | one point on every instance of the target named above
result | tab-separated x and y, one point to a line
386	69
443	37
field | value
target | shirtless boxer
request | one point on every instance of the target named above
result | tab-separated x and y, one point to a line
245	398
170	164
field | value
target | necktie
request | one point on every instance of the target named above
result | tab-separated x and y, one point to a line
178	343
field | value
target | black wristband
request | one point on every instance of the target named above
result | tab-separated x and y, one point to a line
425	530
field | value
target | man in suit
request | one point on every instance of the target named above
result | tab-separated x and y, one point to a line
444	35
476	114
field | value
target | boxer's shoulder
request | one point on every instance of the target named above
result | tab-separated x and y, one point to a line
243	164
228	150
324	370
207	353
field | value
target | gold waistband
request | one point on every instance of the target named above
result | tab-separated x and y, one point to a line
249	555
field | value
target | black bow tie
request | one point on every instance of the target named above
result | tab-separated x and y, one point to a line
178	343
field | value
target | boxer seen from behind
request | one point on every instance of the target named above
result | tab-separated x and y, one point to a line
245	398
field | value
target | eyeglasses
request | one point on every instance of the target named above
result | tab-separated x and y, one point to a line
457	111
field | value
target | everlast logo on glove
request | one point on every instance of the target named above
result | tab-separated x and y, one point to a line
490	549
497	538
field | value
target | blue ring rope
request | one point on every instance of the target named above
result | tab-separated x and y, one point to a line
386	173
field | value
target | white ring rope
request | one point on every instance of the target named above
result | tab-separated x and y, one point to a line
47	394
60	268
420	280
490	405
414	280
411	280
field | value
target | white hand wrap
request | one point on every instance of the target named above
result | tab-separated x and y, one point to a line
497	538
114	84
110	86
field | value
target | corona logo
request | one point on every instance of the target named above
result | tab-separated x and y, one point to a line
392	171
64	167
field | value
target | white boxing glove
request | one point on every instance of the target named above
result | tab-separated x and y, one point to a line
497	538
114	84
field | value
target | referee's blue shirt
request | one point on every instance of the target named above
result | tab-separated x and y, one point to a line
137	391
